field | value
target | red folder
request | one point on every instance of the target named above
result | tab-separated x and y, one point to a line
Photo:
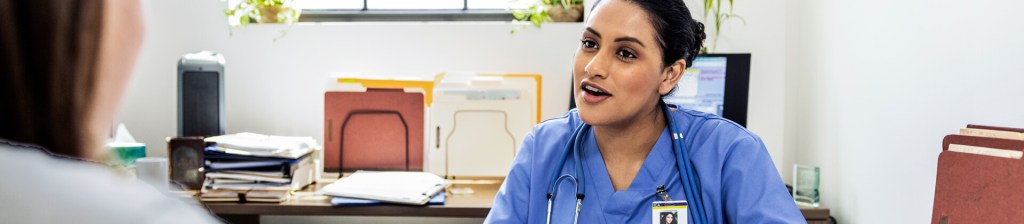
995	143
997	128
379	129
974	188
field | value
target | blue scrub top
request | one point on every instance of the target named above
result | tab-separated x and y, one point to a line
739	183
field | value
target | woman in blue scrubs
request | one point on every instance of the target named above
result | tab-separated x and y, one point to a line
631	53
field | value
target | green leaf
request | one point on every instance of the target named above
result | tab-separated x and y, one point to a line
734	16
707	8
538	17
519	14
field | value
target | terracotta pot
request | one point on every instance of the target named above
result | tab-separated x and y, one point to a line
271	14
558	13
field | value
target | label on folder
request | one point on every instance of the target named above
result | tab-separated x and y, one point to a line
668	212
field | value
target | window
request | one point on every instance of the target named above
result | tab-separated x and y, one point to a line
404	10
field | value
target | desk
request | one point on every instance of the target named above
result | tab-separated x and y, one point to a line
476	205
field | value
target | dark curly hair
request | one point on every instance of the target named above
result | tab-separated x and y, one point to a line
679	35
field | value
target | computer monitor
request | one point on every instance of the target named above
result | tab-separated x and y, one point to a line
715	83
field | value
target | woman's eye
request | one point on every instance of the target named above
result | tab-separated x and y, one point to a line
626	54
588	43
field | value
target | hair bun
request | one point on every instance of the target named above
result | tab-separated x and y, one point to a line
698	31
698	42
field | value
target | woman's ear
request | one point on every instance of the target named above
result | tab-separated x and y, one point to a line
670	76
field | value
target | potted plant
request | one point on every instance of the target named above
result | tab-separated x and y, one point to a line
263	11
541	11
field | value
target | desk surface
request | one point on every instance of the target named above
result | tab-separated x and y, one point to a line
476	205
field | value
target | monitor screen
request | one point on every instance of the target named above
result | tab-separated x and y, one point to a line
702	87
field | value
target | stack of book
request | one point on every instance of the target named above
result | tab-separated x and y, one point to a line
247	161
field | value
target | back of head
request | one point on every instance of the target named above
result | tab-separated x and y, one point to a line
48	60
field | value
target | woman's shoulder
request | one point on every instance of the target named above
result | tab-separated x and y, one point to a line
553	133
36	182
697	124
565	123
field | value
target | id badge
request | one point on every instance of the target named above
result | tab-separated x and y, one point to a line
668	212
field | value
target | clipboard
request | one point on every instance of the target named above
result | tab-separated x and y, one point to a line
976	188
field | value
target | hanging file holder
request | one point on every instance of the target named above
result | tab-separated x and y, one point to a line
478	123
978	180
375	129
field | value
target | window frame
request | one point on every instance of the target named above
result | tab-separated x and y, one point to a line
405	15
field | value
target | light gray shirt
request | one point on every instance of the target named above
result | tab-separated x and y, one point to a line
36	187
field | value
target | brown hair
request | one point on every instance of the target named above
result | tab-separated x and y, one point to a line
48	62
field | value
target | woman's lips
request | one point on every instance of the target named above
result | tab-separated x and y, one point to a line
590	98
592	93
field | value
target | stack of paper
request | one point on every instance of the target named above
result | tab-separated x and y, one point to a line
248	161
414	188
243	196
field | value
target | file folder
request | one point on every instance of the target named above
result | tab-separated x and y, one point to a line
478	123
375	129
978	188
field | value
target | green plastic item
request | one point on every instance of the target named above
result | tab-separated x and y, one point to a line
127	153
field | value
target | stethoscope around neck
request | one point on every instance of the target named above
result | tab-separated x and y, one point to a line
691	184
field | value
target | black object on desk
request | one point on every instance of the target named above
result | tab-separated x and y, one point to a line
201	94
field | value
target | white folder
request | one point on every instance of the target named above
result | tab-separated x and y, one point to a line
478	123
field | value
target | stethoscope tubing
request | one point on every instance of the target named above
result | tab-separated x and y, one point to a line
691	185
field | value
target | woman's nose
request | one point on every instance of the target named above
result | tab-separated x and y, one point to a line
596	67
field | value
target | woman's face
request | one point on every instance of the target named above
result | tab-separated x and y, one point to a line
669	218
618	72
120	40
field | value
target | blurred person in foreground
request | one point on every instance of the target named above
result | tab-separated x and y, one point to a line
64	66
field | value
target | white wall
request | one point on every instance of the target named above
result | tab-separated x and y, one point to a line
873	86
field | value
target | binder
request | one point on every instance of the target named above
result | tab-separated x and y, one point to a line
978	188
282	167
374	129
996	128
